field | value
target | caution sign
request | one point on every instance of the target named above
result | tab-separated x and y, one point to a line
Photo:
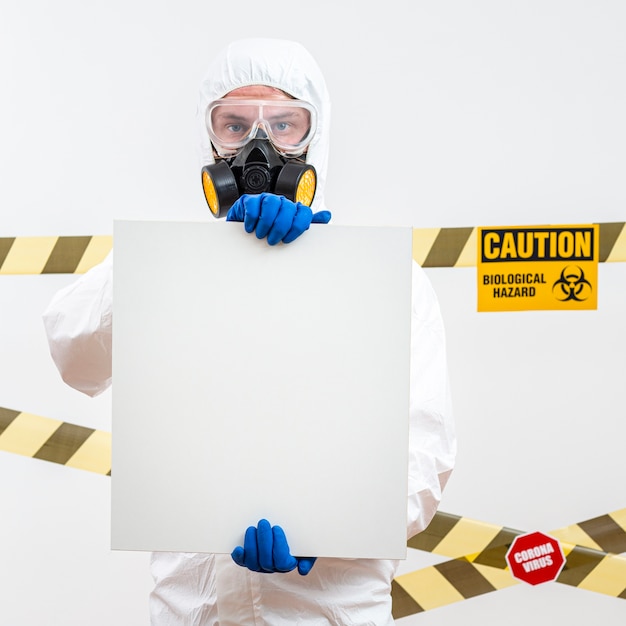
523	268
535	558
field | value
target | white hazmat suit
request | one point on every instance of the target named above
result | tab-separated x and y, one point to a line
207	589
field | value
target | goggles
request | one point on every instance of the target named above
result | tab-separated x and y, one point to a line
233	122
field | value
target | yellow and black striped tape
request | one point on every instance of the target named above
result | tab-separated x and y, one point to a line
432	247
52	255
457	247
52	440
478	564
455	536
477	549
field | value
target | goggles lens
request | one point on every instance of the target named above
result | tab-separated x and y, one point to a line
288	124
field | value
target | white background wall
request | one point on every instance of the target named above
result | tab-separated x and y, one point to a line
444	114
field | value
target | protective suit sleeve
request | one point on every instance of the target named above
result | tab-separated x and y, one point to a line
432	441
78	323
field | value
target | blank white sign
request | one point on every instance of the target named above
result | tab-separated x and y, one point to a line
255	382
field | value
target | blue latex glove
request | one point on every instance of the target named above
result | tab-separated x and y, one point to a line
265	549
274	217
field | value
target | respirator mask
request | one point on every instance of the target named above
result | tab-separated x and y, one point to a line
259	146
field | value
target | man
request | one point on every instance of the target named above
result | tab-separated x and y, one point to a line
208	589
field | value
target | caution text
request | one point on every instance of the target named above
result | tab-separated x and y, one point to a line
538	244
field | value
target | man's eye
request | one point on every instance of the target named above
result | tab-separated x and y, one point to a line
281	126
235	128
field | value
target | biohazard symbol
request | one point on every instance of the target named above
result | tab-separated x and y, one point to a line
572	285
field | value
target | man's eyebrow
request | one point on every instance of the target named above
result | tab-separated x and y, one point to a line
231	116
286	113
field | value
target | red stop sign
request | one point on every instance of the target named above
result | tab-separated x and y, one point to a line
535	558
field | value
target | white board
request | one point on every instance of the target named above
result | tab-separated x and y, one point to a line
260	382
